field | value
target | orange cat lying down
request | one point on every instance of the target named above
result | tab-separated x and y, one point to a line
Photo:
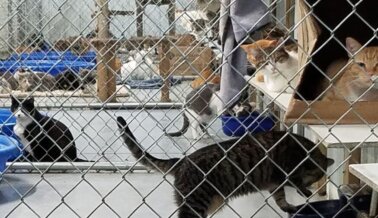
207	76
356	79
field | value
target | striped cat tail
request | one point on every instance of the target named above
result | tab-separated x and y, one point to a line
141	155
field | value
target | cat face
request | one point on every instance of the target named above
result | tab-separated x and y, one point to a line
314	168
365	62
23	109
265	54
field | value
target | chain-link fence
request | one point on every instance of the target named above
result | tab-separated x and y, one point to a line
162	108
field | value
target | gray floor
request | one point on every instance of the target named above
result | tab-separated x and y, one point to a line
137	194
118	194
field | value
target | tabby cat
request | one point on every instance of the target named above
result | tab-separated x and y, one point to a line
356	79
29	80
276	64
204	180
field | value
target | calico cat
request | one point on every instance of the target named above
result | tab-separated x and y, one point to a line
204	180
275	62
44	138
29	80
356	79
202	105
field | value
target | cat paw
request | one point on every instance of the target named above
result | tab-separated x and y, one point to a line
289	208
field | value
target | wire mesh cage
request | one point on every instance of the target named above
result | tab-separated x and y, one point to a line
188	108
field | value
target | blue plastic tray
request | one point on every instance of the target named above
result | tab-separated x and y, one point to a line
52	67
53	55
237	126
9	149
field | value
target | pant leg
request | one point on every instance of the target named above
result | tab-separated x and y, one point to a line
237	20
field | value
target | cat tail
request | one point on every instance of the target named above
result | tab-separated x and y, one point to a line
184	128
143	156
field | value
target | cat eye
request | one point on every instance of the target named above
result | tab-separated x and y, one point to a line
361	64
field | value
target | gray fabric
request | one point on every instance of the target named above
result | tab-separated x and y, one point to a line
238	18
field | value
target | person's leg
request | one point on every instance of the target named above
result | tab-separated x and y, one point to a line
238	19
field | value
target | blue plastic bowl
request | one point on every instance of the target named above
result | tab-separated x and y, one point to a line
7	122
9	149
238	126
53	55
52	67
327	209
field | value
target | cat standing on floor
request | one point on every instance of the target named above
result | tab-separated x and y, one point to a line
44	138
204	180
202	105
276	64
356	79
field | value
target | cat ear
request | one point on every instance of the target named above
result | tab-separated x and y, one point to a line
330	162
352	46
14	100
254	52
30	100
246	47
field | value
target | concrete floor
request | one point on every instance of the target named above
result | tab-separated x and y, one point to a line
118	194
137	194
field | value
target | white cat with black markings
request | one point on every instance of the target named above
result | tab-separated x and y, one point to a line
44	138
140	66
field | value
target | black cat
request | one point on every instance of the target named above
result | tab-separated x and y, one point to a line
44	138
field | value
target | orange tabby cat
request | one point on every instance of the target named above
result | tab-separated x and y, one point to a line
358	77
207	76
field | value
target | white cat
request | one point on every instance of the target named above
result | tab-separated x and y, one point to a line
139	67
194	22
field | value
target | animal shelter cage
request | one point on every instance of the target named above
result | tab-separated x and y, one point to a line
191	90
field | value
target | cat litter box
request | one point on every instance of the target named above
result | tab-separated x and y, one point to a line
52	67
324	209
254	123
9	149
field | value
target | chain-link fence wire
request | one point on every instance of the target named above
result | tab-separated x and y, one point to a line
155	63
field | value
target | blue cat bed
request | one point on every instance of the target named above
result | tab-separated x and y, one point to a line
9	149
52	67
324	209
254	123
53	55
7	122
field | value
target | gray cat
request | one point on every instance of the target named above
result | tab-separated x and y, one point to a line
205	179
202	105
